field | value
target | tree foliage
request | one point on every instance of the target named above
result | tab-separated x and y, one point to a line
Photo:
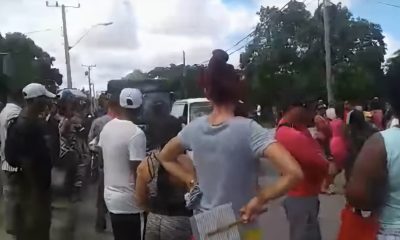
287	54
23	62
393	67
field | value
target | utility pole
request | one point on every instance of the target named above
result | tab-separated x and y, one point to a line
66	42
328	64
184	75
87	73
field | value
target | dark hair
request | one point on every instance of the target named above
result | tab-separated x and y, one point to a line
339	109
357	119
220	80
296	98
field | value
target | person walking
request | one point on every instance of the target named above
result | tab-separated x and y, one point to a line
374	180
93	138
354	224
338	144
302	203
26	148
159	192
123	147
10	175
226	151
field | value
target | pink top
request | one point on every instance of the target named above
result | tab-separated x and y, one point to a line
377	118
338	143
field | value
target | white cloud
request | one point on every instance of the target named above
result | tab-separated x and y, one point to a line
392	45
145	34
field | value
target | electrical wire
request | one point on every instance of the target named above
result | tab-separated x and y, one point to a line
248	35
389	4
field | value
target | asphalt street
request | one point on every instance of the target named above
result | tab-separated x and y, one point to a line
76	221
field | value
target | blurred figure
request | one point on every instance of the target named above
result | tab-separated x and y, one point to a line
302	203
161	126
70	156
374	180
324	131
10	175
123	147
338	144
52	121
377	113
26	148
159	192
93	138
359	131
348	107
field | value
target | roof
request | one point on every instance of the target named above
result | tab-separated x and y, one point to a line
192	100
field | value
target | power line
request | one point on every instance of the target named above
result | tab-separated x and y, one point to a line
389	4
254	30
249	34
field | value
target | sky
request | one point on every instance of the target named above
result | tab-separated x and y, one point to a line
150	33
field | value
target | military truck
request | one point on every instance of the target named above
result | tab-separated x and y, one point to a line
155	91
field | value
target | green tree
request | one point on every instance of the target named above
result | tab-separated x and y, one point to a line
393	68
136	75
24	62
287	54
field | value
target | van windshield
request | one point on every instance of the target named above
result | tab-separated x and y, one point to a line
199	109
177	110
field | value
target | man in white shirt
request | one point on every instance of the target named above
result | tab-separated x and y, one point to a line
9	174
123	147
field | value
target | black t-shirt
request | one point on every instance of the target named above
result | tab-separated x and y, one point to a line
26	145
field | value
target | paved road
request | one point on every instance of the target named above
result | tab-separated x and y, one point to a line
76	222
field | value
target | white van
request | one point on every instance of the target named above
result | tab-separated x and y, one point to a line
189	109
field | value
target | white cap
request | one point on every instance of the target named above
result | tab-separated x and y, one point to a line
35	90
331	113
131	98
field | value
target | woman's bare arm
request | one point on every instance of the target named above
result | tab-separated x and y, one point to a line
142	179
290	175
368	178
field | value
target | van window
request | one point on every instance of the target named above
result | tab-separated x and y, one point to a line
178	110
199	109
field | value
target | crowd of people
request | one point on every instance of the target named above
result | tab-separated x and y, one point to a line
151	191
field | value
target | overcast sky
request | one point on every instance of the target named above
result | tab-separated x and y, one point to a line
150	33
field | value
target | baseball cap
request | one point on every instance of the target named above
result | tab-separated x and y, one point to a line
131	98
35	90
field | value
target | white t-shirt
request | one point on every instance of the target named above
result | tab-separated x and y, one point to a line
9	112
121	142
394	122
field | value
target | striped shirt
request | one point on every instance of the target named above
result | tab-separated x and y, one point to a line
9	112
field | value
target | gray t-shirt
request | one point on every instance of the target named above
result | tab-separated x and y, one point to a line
226	158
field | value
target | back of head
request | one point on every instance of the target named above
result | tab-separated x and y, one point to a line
357	119
339	109
220	80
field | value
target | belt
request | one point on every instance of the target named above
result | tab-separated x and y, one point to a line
361	213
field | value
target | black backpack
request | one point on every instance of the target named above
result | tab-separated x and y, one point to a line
11	150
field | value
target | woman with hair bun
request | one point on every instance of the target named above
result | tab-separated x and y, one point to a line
226	150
